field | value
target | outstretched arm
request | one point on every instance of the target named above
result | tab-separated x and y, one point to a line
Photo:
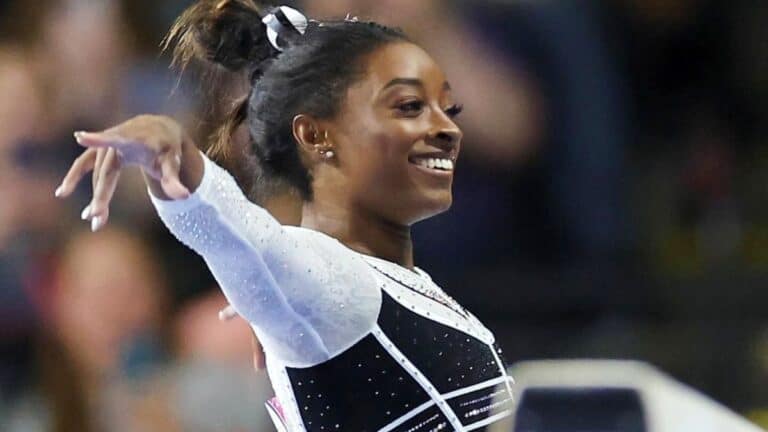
204	208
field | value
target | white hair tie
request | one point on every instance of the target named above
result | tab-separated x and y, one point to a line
282	19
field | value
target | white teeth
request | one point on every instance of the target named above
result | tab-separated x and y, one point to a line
439	164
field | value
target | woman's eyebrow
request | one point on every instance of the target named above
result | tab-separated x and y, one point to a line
404	81
415	82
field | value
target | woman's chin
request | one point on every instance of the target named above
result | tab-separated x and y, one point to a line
434	204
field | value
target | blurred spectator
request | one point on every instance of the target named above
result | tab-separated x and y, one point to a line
28	214
212	386
101	332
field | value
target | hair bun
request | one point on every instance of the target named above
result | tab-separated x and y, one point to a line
227	32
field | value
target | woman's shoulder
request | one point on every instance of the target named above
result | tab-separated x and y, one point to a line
302	232
318	240
338	258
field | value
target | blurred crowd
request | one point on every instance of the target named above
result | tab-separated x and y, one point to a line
611	201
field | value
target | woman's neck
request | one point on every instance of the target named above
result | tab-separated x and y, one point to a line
360	231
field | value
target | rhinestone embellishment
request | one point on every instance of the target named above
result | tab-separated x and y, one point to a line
416	283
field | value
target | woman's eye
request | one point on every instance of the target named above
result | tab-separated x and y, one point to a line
454	110
411	108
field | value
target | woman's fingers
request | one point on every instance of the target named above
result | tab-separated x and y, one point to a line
151	142
104	139
109	174
100	153
88	210
97	167
84	163
170	165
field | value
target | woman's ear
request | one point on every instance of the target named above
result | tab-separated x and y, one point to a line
312	139
306	131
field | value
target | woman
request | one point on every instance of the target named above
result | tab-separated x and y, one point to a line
97	347
358	120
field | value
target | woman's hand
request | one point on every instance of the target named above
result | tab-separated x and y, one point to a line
171	164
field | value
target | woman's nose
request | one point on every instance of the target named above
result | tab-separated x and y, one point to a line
445	130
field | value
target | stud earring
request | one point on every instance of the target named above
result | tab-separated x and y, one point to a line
328	154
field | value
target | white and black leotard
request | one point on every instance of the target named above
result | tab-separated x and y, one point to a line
353	343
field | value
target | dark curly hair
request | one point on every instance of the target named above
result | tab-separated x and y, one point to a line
309	76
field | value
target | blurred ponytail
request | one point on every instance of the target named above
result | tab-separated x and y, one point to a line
226	34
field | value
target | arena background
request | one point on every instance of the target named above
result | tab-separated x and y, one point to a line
611	202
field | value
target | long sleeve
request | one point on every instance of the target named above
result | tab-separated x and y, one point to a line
296	291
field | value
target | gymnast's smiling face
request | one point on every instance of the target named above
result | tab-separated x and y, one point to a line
394	140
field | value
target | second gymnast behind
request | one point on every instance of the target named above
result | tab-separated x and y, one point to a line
359	120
